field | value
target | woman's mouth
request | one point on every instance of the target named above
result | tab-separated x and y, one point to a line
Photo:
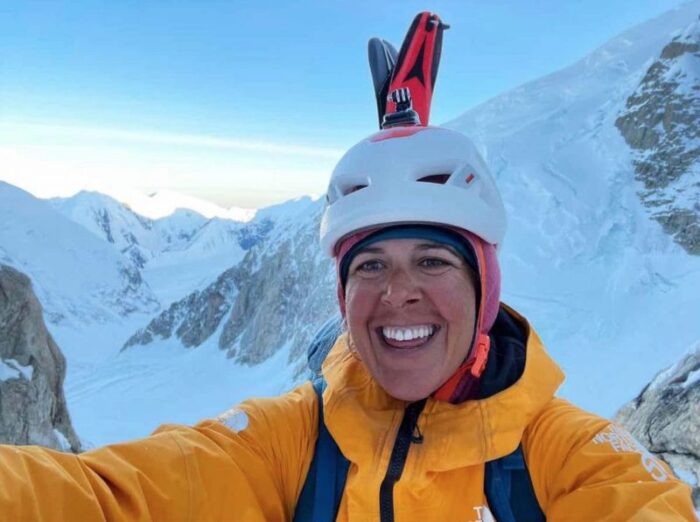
412	336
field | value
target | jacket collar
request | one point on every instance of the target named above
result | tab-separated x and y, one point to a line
361	415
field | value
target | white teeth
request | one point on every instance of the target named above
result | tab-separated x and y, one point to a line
407	334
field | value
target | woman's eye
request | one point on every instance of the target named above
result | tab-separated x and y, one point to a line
433	262
370	266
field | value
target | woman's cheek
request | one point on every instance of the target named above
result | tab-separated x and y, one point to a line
353	302
358	290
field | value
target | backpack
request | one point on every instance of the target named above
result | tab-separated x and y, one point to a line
507	484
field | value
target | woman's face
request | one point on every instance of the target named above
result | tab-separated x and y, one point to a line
410	311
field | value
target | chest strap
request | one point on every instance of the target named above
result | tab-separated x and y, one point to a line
320	497
507	484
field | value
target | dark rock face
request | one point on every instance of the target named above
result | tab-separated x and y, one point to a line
32	404
661	123
665	417
288	292
278	295
196	317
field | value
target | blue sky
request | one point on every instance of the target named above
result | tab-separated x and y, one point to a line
247	102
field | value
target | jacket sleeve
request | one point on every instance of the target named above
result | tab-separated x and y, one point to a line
249	464
586	468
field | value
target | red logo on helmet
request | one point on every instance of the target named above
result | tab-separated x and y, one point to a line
398	132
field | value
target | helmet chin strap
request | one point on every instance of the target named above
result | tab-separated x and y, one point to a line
475	363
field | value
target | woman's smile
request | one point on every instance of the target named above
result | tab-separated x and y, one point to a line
407	336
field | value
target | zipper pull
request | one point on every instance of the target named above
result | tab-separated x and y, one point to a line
413	411
416	436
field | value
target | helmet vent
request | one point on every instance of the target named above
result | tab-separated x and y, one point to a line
352	189
440	179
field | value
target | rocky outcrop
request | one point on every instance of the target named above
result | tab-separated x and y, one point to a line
196	317
661	123
665	417
288	294
32	405
277	296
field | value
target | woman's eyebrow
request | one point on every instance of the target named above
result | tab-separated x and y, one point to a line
432	246
370	250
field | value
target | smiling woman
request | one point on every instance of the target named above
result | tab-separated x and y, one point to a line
411	308
438	403
435	390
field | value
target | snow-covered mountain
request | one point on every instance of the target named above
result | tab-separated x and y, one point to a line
77	276
164	203
253	308
238	342
201	247
129	232
661	122
613	294
665	417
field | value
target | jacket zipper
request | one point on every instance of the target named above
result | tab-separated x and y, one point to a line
399	453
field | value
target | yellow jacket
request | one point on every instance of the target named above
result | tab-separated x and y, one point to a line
250	465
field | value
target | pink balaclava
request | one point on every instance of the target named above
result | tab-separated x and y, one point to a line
463	384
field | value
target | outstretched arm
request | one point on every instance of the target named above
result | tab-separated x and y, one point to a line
585	468
249	465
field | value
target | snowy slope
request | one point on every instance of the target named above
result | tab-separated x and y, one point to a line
111	221
118	224
77	277
613	297
221	243
177	253
128	396
250	314
258	298
661	123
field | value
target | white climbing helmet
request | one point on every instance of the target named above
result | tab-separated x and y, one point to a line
412	175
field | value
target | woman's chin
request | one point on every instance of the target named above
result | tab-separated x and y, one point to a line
409	391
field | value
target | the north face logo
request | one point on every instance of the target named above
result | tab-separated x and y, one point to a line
621	441
483	514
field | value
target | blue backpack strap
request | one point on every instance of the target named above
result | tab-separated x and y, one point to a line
320	497
323	341
509	489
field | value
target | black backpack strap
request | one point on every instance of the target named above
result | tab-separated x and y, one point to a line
509	489
323	489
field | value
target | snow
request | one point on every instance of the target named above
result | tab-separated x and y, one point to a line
129	395
107	219
686	476
692	378
63	443
669	373
11	369
196	247
241	214
74	273
288	211
172	282
611	295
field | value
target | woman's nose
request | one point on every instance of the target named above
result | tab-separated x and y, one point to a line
400	290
